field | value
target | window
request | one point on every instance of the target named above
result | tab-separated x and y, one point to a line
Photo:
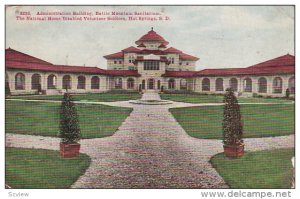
120	62
51	82
219	84
130	83
95	82
131	59
180	63
143	84
20	81
67	82
115	62
172	60
247	85
81	82
277	85
262	85
171	84
187	63
151	65
205	84
36	82
183	84
233	84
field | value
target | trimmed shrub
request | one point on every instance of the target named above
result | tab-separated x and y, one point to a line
232	121
69	123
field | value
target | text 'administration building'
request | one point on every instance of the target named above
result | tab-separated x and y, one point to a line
151	65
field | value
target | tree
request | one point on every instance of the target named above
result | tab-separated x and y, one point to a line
232	121
69	123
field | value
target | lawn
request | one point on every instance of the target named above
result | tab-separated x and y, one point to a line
211	98
37	168
259	120
42	118
259	170
97	97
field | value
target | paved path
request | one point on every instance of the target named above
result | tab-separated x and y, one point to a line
150	150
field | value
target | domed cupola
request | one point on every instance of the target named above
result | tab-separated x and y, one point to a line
152	36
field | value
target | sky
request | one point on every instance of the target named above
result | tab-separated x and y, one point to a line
221	36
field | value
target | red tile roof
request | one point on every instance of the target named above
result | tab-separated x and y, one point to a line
173	50
182	74
131	49
123	73
280	65
247	71
118	55
13	55
285	60
184	56
54	68
36	64
151	36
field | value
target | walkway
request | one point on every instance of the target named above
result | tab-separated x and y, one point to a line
150	150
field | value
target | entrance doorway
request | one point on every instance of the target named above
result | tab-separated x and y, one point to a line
151	83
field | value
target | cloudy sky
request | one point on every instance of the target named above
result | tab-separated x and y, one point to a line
221	36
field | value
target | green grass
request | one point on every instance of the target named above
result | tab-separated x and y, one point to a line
98	97
259	120
37	168
42	118
259	170
210	98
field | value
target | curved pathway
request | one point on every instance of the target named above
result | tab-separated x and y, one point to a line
149	150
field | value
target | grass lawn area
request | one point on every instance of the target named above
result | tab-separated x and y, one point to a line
260	170
37	168
42	118
97	97
259	120
209	98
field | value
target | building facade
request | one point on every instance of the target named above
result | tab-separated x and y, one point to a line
150	65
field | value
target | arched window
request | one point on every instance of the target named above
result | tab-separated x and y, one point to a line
143	84
81	82
292	85
262	85
219	84
158	84
95	82
205	84
51	82
20	81
67	82
277	85
36	82
171	84
247	85
233	84
118	83
183	84
130	83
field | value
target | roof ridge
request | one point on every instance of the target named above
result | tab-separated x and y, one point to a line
11	49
